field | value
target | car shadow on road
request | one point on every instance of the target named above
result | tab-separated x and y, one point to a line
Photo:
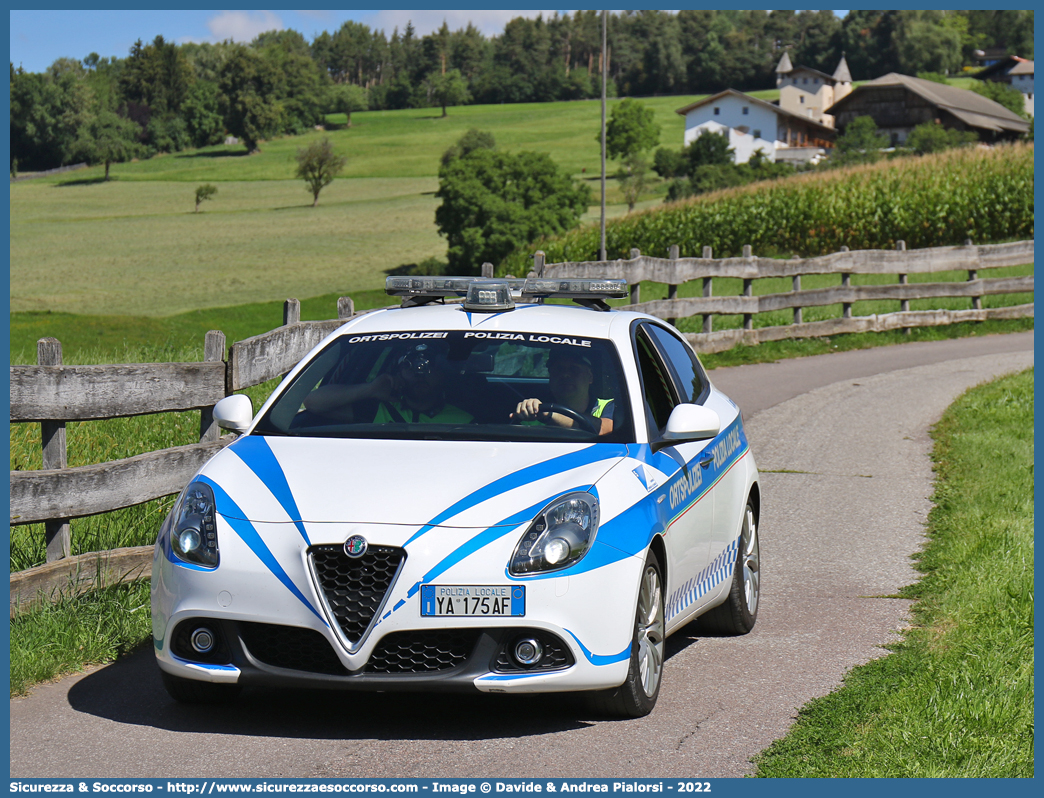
130	691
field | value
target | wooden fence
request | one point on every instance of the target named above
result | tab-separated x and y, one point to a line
674	271
52	394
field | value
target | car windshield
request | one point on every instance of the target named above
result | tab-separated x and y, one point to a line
457	385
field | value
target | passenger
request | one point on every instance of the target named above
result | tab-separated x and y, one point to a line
570	376
415	393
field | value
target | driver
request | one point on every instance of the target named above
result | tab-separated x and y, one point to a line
414	393
570	376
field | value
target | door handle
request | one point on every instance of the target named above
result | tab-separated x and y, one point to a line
706	460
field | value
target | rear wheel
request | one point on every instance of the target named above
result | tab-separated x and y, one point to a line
739	613
637	696
190	691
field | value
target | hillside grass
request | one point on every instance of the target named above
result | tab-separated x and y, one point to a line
955	697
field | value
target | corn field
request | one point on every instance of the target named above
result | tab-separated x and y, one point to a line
982	194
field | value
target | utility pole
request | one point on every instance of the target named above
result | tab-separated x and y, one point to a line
604	18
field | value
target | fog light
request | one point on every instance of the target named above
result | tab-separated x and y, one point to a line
202	640
528	651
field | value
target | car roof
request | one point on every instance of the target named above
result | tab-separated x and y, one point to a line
547	318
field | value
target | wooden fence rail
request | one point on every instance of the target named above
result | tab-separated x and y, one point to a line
901	262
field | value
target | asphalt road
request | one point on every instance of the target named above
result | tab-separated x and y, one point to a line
842	443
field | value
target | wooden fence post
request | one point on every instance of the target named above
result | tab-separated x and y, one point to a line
846	282
213	352
748	289
973	274
291	312
904	304
672	290
636	288
57	533
796	286
708	289
487	269
538	264
345	307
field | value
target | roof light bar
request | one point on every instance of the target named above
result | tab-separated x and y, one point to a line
518	288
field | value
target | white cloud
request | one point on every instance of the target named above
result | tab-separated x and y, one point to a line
243	26
490	23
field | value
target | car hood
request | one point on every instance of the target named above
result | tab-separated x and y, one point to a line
444	483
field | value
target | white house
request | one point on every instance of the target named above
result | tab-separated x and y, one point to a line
755	124
1014	71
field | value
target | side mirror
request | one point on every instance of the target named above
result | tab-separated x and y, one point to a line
692	423
234	413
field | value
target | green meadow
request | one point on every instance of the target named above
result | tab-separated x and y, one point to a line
135	246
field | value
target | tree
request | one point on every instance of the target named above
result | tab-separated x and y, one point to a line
203	193
318	165
633	178
474	139
860	143
709	149
449	89
668	163
1002	93
931	137
631	129
345	98
250	108
494	202
108	138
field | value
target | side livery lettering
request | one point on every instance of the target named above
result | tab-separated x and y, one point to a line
691	483
404	336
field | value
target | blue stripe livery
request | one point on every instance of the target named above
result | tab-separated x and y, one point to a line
705	581
601	659
487	536
230	511
548	468
259	458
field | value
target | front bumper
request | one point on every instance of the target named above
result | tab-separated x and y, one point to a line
276	628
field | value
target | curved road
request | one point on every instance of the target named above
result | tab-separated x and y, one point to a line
842	442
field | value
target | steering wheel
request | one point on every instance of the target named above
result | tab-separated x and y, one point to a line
587	423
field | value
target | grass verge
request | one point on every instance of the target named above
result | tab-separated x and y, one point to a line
95	627
955	696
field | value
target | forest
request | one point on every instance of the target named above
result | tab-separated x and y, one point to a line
165	97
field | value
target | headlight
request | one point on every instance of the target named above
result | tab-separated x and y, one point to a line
560	535
194	533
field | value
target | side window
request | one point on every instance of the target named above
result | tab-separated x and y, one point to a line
689	376
656	384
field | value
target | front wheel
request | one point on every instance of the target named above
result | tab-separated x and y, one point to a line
637	696
739	613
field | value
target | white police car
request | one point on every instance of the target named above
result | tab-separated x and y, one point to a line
500	495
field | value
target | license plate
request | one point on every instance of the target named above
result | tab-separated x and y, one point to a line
473	601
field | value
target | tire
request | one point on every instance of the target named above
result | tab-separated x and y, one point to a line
637	696
739	613
190	691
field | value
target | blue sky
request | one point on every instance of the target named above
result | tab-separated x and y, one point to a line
40	37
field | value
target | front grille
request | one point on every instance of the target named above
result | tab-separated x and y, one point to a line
423	652
557	655
290	647
354	587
